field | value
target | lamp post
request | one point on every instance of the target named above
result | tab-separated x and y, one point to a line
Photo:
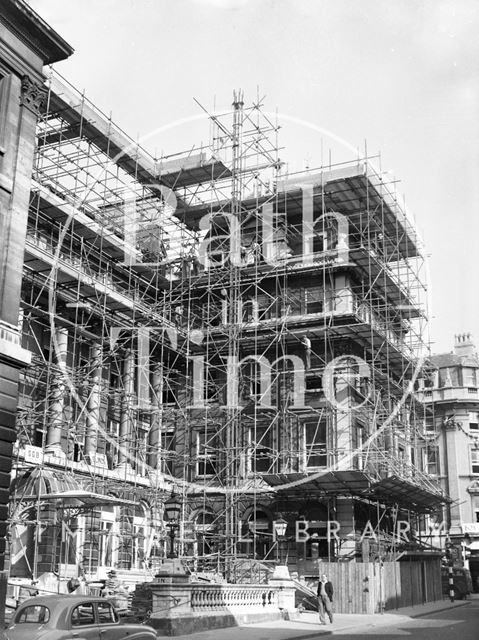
172	511
280	526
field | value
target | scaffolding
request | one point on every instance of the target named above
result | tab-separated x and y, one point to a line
182	316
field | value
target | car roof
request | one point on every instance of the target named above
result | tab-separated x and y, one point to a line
59	599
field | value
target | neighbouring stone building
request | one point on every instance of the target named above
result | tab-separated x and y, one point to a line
451	449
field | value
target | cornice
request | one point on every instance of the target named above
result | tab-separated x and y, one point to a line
33	31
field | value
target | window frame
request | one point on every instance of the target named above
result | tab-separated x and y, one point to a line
475	462
429	463
206	456
74	624
260	449
312	446
106	604
23	612
473	420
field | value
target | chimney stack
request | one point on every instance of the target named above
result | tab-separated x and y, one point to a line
464	345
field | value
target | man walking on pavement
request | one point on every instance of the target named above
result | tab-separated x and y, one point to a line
325	599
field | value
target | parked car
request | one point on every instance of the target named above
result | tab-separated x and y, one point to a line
62	617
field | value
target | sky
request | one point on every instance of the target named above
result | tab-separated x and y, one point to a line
399	78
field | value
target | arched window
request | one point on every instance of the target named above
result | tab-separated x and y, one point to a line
261	528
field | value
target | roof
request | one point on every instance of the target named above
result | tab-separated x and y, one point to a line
39	481
454	360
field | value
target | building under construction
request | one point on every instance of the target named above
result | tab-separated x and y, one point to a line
213	332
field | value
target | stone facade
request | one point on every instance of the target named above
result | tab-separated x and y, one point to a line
451	447
26	45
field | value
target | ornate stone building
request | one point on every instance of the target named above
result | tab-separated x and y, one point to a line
27	43
451	449
207	330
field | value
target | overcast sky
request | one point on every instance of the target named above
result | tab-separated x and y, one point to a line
401	75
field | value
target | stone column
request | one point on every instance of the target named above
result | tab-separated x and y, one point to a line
156	417
126	415
93	405
57	402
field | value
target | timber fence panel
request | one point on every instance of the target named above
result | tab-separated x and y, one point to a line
369	587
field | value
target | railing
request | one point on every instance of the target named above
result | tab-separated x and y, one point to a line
221	596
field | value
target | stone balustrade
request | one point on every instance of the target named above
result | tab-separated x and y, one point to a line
179	606
219	596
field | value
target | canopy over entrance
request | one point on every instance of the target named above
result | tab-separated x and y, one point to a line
393	489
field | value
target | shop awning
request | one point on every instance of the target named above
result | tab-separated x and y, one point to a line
353	482
407	494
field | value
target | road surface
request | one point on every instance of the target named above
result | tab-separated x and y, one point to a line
456	624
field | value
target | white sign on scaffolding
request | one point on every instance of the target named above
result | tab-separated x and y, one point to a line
33	454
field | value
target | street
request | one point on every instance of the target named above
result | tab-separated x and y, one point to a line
461	623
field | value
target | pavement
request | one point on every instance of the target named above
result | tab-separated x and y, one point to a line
306	624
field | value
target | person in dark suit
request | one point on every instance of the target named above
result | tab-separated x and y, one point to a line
325	599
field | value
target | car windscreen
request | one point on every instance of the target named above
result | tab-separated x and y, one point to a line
35	613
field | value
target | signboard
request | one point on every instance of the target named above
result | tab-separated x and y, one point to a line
98	460
33	454
470	527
